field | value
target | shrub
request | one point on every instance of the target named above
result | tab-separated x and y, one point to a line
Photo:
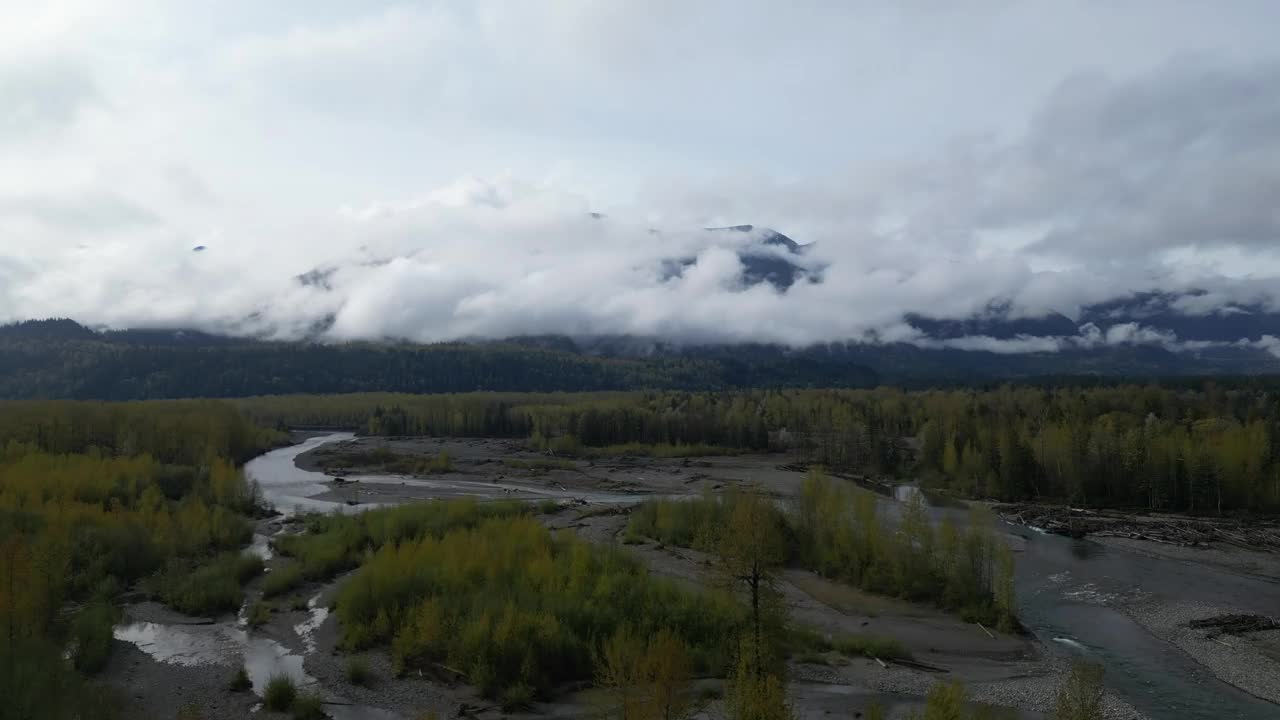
517	697
1080	697
91	635
334	544
358	672
308	706
259	614
509	603
211	588
281	580
240	682
280	693
298	603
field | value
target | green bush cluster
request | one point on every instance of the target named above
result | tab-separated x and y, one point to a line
281	580
835	529
209	587
513	606
333	544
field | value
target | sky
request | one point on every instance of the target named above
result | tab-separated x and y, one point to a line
438	164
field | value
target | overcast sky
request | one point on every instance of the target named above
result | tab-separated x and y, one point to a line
440	160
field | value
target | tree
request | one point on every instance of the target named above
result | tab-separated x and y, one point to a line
646	681
751	550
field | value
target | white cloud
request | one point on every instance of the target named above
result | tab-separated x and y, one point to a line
937	171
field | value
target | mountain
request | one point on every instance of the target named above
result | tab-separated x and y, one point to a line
766	256
1191	316
60	359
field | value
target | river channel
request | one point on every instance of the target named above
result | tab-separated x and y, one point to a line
1072	596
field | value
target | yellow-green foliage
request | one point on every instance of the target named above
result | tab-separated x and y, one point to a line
511	605
646	678
696	523
835	530
336	543
1080	696
94	497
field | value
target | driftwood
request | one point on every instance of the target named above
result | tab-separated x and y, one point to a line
988	632
1234	625
1185	531
917	665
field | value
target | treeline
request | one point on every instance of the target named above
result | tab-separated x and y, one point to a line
59	359
93	499
1205	450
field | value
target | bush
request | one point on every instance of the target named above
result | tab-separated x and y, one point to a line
1080	697
334	544
298	603
517	697
91	637
358	672
509	603
210	588
259	614
240	682
280	693
281	580
308	706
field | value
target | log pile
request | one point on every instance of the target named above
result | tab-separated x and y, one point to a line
1255	534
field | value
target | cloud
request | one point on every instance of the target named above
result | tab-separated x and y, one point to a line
439	166
42	95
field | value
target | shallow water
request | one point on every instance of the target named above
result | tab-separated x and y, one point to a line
221	644
1071	594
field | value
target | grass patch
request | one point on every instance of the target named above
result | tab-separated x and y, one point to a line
549	507
280	693
298	603
384	459
358	671
281	580
540	464
805	642
240	681
214	587
570	445
308	706
259	613
870	646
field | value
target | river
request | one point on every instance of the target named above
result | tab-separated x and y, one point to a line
1071	595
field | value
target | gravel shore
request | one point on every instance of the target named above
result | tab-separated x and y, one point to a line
1247	662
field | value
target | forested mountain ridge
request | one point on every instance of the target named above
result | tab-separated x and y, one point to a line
62	359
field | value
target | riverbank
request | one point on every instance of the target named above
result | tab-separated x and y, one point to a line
1249	661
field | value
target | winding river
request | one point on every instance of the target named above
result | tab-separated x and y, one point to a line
1070	592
